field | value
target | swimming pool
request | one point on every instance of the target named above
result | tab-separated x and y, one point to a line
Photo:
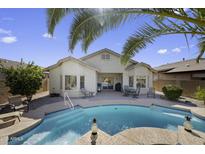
67	126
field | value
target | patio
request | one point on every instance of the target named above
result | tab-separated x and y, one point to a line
46	104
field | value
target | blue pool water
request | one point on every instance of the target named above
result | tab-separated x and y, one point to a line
65	127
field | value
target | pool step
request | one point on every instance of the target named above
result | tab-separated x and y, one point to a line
60	115
58	130
48	124
70	118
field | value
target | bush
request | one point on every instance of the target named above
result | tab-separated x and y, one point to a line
172	92
200	94
23	80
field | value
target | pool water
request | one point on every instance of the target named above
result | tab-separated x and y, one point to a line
67	126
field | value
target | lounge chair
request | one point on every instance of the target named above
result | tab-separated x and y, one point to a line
151	92
86	93
17	103
136	95
9	119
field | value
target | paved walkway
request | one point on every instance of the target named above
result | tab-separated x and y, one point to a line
146	136
43	104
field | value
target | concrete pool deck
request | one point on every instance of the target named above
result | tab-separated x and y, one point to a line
46	104
146	136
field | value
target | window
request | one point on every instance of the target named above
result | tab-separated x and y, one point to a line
141	81
105	56
61	79
82	82
131	81
70	82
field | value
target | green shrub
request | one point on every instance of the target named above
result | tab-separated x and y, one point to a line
23	80
172	92
200	94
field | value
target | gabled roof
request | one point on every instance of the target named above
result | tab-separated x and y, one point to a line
105	50
182	66
142	64
70	58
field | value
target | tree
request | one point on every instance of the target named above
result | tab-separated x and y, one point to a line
200	94
89	24
23	80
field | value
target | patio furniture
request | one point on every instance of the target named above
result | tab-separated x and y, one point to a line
99	87
9	119
5	108
128	90
17	103
136	95
86	93
151	92
118	86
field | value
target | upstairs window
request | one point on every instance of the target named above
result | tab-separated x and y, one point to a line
105	56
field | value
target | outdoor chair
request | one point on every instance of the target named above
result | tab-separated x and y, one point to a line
9	119
17	103
151	92
136	95
86	93
126	90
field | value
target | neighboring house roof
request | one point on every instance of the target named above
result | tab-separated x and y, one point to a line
70	58
182	66
10	63
104	50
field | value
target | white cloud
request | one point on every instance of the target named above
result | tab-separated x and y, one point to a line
162	51
8	39
7	19
48	36
4	31
176	50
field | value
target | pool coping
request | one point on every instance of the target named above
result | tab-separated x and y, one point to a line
38	122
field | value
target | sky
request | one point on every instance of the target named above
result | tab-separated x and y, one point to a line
23	34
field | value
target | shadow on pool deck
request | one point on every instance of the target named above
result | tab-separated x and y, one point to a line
108	97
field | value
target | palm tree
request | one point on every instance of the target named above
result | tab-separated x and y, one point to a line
89	24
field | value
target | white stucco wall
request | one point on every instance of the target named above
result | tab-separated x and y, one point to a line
73	68
139	70
107	66
54	80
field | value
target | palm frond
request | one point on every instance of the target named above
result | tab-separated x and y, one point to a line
90	24
101	21
201	46
54	16
147	35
